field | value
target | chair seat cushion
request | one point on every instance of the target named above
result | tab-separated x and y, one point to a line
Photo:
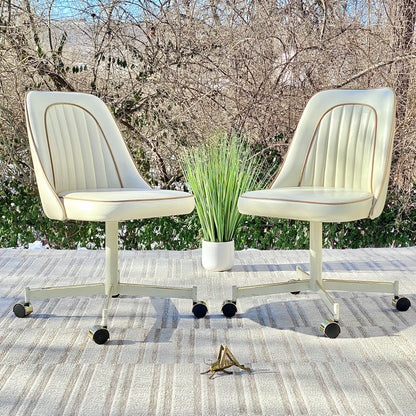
123	204
307	203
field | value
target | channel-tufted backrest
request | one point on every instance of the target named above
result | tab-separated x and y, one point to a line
345	137
76	145
343	140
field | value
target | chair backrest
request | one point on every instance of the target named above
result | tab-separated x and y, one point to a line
344	140
76	145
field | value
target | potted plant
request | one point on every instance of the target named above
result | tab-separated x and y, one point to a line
218	172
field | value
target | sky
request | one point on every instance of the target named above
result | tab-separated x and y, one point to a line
83	8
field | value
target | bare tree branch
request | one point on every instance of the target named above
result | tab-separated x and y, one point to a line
373	68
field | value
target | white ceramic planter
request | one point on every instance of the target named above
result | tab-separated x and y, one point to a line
217	256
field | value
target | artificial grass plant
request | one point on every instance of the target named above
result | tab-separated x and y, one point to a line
218	172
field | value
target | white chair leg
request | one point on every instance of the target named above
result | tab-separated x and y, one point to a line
111	257
113	287
315	251
329	327
99	333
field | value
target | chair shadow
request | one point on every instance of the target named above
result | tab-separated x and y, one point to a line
284	315
329	266
168	308
267	314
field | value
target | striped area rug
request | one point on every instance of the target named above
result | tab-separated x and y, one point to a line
157	350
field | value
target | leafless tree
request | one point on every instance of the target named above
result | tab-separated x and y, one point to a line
173	71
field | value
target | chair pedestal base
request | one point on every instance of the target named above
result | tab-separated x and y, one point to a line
313	282
110	288
199	308
321	288
100	289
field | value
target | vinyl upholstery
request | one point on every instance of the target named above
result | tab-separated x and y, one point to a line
83	168
337	165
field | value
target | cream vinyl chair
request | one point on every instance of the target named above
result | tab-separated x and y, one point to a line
336	170
84	172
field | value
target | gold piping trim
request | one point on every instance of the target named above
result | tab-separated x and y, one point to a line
99	126
39	160
387	160
308	202
128	150
319	123
125	200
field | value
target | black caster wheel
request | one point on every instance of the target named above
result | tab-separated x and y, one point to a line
401	303
330	328
99	334
199	309
22	309
296	292
229	308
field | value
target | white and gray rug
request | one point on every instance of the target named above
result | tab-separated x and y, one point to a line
152	363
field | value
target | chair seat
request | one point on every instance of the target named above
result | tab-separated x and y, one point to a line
121	204
307	203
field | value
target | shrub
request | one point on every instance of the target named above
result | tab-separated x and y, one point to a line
22	222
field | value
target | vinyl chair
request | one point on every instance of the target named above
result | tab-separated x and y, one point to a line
85	172
336	170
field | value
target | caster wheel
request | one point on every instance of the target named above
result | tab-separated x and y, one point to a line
229	308
99	334
199	309
296	292
330	328
22	309
401	303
